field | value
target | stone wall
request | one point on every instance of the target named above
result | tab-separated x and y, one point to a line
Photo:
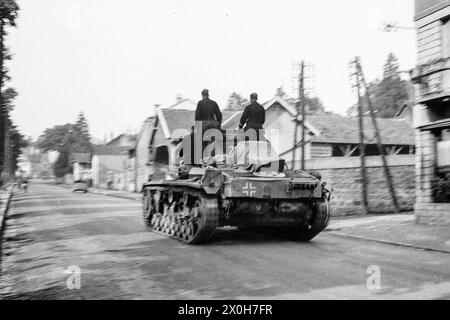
343	175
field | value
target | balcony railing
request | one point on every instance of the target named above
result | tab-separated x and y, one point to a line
433	78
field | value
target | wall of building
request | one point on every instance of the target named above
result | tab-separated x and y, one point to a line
343	175
433	26
143	150
105	166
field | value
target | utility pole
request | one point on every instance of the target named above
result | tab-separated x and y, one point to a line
387	173
300	109
362	146
302	104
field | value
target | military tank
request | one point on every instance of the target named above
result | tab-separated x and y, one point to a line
189	203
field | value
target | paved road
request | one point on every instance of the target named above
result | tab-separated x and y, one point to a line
50	233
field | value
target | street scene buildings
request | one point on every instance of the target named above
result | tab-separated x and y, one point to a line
343	192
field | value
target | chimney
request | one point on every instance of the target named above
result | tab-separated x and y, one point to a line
179	98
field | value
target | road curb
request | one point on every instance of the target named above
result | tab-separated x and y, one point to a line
4	206
107	193
397	244
113	195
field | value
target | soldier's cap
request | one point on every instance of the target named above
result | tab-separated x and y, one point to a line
254	96
205	92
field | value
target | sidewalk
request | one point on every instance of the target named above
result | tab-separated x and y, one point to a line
395	229
5	197
119	194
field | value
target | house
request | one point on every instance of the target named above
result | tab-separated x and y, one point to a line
327	135
123	140
432	112
183	104
35	163
81	163
166	128
109	166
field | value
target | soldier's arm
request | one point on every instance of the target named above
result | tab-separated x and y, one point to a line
243	118
218	115
263	117
198	112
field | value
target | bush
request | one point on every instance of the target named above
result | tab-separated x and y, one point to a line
441	188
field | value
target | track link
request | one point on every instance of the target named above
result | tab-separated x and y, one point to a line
191	219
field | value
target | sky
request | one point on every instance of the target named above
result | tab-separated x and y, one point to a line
114	60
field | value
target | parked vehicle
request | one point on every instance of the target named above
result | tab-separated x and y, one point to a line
80	185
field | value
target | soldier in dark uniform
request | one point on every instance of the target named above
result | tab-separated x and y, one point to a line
253	117
208	116
208	113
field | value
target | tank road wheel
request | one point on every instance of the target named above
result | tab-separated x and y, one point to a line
204	218
320	220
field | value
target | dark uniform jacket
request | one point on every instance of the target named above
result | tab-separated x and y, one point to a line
209	113
253	117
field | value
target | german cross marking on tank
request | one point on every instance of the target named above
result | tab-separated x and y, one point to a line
249	190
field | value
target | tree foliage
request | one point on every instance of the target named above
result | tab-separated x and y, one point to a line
236	102
390	94
8	11
313	105
66	139
8	131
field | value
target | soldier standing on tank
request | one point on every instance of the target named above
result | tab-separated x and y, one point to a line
253	117
207	116
208	113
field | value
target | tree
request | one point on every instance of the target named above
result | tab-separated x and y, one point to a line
59	138
281	93
8	15
235	102
81	130
314	105
390	94
66	139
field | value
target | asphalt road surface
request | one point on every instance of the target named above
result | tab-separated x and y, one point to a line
62	245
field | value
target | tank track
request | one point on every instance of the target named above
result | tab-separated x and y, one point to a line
189	216
319	221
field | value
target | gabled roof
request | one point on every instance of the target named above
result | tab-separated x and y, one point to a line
101	150
176	119
233	122
331	128
131	139
182	104
340	129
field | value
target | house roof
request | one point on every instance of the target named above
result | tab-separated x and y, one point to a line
183	102
175	119
81	158
131	139
333	128
233	121
340	129
102	150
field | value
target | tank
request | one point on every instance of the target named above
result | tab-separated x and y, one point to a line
248	187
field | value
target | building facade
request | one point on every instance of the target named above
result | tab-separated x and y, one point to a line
432	112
